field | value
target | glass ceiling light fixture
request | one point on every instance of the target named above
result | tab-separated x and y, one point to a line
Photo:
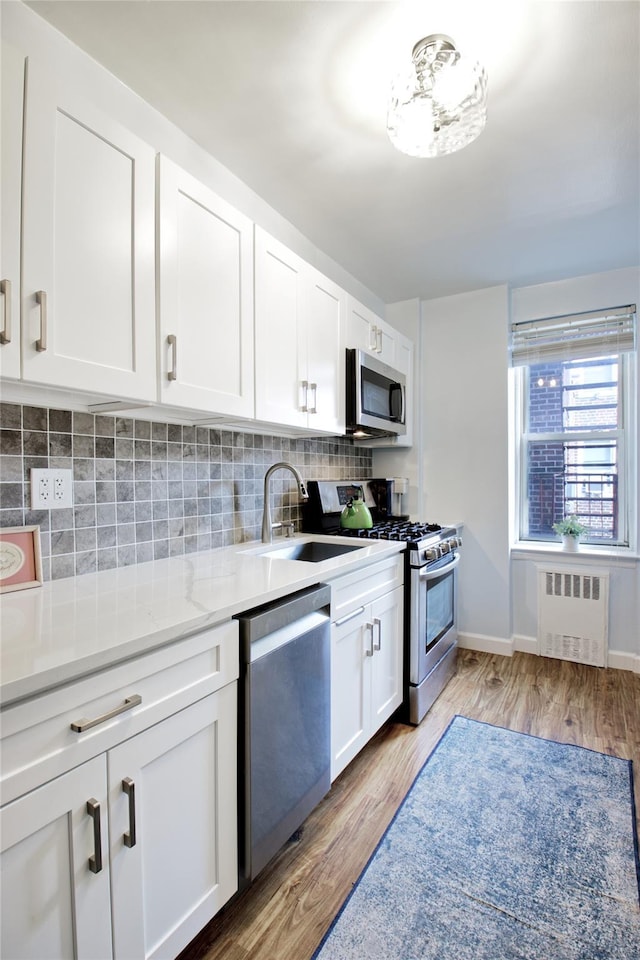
440	104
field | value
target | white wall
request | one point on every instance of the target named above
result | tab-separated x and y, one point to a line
465	446
461	463
405	462
581	294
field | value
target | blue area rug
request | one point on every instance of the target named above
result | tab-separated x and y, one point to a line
507	847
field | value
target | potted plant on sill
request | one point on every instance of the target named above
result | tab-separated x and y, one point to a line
570	529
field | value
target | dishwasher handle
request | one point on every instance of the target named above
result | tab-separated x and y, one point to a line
280	638
269	618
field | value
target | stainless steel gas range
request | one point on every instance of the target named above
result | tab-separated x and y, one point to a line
431	560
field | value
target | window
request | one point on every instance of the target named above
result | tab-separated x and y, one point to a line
576	384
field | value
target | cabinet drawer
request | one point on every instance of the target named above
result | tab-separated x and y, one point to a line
359	588
38	742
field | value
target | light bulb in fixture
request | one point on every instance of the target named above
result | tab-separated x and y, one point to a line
440	104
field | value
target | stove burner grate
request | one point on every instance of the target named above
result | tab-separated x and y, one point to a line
396	530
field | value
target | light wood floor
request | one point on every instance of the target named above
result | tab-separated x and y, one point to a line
284	915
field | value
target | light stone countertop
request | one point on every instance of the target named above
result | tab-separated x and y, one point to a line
70	628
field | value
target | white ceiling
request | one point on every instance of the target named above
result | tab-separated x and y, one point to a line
291	96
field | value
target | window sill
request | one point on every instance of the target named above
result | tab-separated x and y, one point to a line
614	556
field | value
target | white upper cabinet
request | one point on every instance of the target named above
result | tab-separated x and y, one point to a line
11	180
326	359
299	323
366	331
205	260
88	244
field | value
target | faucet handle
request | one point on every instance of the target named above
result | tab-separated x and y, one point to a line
289	528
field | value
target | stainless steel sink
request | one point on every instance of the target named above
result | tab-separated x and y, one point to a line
312	551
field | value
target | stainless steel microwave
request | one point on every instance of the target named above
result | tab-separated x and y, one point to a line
376	397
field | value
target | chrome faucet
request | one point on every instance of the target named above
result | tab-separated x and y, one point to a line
267	525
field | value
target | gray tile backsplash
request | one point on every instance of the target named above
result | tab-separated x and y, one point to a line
145	490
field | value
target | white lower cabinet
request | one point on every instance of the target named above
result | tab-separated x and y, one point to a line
366	659
55	900
173	788
130	853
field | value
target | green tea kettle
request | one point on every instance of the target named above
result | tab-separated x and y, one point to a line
356	515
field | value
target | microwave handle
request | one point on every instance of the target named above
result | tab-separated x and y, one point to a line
396	390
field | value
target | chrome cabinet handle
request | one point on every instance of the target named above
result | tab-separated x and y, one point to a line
95	861
172	340
129	787
81	725
305	403
377	623
373	340
349	616
5	333
314	388
369	650
41	298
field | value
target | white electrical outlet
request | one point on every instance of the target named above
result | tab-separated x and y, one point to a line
51	489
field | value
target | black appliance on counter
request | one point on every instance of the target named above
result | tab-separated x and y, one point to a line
431	560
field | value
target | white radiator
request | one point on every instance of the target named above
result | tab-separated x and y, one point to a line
573	614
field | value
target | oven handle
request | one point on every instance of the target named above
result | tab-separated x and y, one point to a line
439	571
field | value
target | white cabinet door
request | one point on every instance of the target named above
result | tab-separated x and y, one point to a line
351	647
366	672
88	245
53	905
325	319
13	65
181	780
205	297
366	331
299	331
386	663
280	335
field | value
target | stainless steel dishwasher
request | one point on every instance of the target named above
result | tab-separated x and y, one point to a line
284	730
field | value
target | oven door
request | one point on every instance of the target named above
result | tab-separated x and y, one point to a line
432	615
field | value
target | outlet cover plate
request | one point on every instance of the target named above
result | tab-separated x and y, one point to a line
51	489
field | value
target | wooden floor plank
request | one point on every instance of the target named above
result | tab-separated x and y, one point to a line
286	912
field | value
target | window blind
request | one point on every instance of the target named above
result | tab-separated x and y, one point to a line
574	337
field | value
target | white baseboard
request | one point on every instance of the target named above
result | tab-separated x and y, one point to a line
621	660
525	644
616	659
484	644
